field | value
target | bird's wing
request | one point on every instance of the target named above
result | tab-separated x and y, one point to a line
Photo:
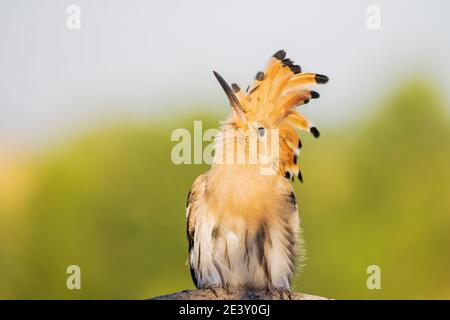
195	193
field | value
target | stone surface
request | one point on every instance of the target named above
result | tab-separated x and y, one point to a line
222	294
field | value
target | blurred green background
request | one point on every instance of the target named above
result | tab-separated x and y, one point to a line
376	191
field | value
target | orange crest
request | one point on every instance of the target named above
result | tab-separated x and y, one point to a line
271	102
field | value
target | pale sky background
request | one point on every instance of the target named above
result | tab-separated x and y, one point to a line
153	57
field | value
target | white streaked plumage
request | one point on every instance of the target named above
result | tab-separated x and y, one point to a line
235	246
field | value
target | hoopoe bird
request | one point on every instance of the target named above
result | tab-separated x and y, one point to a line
243	226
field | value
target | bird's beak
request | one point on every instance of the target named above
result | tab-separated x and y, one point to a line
234	101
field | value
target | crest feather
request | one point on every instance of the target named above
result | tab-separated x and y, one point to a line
272	98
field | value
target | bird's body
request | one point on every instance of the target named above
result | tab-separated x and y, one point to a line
244	229
243	225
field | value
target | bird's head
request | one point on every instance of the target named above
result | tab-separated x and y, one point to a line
269	106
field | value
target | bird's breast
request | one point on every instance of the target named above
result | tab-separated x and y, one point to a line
242	191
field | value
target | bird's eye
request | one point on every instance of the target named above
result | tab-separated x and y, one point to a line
261	131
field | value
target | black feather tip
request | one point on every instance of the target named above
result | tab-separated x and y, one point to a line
314	94
235	87
280	55
295	69
300	177
287	62
259	76
315	132
321	79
